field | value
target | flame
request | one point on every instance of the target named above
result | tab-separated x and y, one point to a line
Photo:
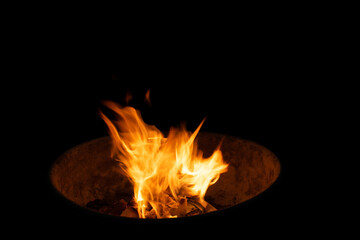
163	170
147	97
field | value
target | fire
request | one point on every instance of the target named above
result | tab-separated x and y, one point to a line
164	171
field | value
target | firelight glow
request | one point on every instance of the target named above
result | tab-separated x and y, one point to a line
163	170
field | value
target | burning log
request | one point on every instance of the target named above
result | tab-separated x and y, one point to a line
185	207
181	210
129	212
210	208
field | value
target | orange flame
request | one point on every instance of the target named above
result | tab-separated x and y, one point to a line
159	167
147	97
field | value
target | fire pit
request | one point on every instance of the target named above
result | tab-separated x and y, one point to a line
89	176
140	172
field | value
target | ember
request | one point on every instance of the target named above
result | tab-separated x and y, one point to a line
169	174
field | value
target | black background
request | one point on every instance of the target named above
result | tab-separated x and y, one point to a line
254	89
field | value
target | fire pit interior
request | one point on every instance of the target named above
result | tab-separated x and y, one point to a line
90	177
